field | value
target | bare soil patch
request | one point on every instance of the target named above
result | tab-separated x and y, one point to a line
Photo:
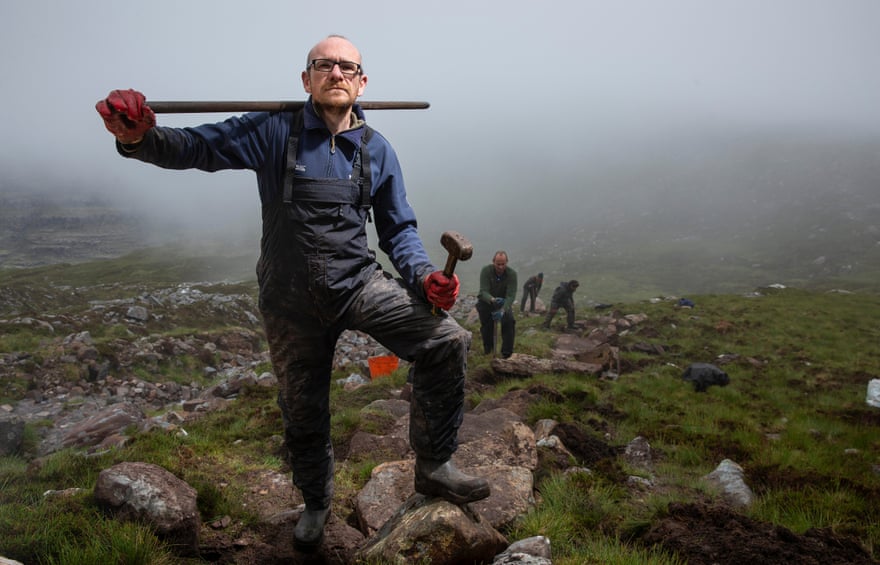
716	535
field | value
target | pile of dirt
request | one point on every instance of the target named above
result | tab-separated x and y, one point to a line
717	535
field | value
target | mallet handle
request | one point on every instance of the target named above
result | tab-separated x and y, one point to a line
449	269
205	106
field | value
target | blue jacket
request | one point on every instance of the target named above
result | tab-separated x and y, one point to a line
258	141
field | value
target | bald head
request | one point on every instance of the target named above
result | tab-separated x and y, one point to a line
334	44
334	79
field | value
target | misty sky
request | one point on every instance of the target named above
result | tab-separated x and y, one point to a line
529	100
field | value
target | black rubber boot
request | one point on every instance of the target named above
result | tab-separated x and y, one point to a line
443	479
309	530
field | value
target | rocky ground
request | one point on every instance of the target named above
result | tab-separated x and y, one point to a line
107	376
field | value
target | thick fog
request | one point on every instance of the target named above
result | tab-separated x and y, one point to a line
544	117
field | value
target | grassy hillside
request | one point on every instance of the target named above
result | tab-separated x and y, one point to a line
793	416
696	215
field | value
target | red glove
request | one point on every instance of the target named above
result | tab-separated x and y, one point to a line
441	290
126	115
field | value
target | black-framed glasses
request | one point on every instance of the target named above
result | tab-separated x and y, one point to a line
347	68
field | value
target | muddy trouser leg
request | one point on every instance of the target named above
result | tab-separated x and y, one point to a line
569	315
550	313
487	326
522	303
435	344
508	332
302	360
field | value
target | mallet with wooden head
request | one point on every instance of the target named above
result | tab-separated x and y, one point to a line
459	249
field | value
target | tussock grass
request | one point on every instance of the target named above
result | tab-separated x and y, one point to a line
575	511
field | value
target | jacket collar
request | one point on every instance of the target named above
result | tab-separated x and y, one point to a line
311	120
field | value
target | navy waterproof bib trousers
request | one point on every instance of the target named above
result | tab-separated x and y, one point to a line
317	278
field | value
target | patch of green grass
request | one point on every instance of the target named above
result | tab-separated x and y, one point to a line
351	476
21	337
65	528
793	415
109	332
575	511
545	409
180	369
344	423
14	389
567	511
70	530
809	507
376	422
115	542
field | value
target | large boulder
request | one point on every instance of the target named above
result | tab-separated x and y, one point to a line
494	444
148	494
431	530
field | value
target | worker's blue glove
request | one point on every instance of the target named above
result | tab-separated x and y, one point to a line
497	315
499	302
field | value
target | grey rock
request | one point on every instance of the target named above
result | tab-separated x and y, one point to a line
530	551
137	313
434	531
730	479
147	493
638	453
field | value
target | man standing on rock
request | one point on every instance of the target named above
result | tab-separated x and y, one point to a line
320	171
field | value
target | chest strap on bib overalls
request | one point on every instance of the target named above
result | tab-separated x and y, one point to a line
360	168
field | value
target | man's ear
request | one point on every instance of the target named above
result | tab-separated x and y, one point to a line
307	83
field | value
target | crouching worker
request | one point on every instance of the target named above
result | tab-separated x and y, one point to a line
563	297
320	171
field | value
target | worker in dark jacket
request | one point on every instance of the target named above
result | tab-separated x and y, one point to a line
495	304
563	297
530	291
322	173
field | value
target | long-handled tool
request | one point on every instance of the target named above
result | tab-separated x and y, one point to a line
203	106
459	249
